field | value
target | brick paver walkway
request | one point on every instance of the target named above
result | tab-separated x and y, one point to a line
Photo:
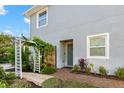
36	78
96	81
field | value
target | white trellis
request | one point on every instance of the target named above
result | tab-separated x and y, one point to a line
36	62
18	58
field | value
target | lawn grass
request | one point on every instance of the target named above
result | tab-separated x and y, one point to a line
58	83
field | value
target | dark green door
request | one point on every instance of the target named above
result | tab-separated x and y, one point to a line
70	54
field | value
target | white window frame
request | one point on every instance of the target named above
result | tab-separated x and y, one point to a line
106	47
37	17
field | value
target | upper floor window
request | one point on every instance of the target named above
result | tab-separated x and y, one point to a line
98	46
42	18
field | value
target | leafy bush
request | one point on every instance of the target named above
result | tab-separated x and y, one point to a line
92	65
26	64
88	70
10	76
52	83
58	83
6	48
2	73
102	70
120	72
75	68
42	66
3	85
20	84
48	70
82	64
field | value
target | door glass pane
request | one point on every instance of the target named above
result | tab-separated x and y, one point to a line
97	41
97	51
70	55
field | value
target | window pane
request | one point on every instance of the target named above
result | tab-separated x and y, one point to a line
97	51
42	22
42	15
97	41
42	18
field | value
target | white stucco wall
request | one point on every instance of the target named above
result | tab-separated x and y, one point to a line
77	22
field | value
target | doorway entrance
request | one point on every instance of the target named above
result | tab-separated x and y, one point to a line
70	54
67	52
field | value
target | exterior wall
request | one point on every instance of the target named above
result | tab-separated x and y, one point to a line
77	22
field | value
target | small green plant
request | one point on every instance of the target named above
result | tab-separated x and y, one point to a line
92	65
18	83
2	73
52	83
120	72
48	70
42	66
3	85
88	70
76	68
10	76
102	70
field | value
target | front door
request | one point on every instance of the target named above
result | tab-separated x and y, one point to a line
70	54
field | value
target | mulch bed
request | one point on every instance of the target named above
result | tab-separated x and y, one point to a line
92	79
100	76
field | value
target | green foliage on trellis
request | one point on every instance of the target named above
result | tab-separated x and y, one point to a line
39	45
48	48
26	65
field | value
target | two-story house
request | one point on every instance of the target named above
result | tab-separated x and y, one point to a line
92	32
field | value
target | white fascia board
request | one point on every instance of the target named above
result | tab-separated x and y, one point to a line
33	10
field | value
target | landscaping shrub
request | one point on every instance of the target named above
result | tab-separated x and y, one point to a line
3	85
120	72
102	70
20	84
88	70
75	68
3	60
58	83
52	83
82	64
2	74
92	65
48	70
42	66
10	76
26	64
6	48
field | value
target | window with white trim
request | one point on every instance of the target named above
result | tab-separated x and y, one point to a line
98	46
42	18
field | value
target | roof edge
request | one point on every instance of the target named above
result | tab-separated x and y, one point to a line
30	9
33	9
